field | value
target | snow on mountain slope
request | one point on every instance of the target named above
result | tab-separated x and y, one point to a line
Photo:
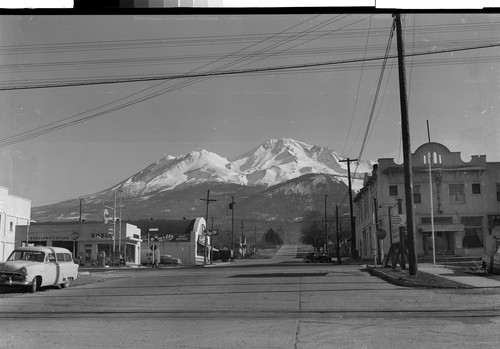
170	172
279	160
274	162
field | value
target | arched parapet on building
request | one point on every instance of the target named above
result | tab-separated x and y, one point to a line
441	156
199	240
199	228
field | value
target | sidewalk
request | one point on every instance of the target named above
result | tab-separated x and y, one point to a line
436	276
475	281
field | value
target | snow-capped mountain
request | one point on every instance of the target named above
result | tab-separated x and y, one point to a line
281	178
271	163
172	172
279	160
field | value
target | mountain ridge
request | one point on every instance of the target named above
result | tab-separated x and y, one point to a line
277	170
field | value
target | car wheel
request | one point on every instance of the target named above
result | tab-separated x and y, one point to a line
67	283
34	285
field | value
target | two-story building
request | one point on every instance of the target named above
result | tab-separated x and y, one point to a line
458	202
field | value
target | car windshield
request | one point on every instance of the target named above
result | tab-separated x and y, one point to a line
34	256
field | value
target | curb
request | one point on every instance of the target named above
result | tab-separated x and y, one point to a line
405	283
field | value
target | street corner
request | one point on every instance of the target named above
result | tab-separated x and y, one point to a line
401	277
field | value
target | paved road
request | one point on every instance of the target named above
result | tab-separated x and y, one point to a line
277	303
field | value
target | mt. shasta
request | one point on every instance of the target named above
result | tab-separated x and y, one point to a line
172	186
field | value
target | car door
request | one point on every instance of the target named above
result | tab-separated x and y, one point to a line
68	268
50	271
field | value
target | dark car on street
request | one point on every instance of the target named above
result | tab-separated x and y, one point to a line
310	257
169	260
314	257
323	258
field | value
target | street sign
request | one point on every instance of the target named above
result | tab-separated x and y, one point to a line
381	234
398	220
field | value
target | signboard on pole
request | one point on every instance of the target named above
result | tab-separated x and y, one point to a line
395	224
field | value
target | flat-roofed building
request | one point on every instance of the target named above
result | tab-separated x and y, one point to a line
14	210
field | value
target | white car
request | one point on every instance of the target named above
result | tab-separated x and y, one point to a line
39	266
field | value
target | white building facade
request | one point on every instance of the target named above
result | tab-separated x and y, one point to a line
14	211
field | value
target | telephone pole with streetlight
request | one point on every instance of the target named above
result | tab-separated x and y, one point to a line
208	200
353	223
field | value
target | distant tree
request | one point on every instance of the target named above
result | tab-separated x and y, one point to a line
272	237
312	230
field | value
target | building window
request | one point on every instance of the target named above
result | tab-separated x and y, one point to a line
11	226
473	228
476	188
498	192
436	158
457	194
366	214
393	190
417	197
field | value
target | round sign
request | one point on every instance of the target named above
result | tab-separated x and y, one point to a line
74	236
381	234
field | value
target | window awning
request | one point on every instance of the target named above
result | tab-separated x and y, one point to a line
427	228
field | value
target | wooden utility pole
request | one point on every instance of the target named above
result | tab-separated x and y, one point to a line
405	126
231	207
375	210
326	229
212	243
338	233
208	200
353	223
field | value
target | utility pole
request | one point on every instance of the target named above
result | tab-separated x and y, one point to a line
255	238
81	209
429	158
120	227
338	233
231	207
208	200
212	243
402	245
242	240
405	125
375	210
353	230
114	231
326	229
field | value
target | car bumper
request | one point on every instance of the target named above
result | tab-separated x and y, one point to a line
12	282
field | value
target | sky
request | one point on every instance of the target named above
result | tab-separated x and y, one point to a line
130	125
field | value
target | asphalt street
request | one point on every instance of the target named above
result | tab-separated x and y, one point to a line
274	303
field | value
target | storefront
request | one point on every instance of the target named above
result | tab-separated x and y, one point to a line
92	243
183	239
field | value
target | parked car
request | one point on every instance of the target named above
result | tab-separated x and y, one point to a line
169	260
39	266
316	257
223	255
323	258
310	257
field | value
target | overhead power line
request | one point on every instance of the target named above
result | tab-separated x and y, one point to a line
237	71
